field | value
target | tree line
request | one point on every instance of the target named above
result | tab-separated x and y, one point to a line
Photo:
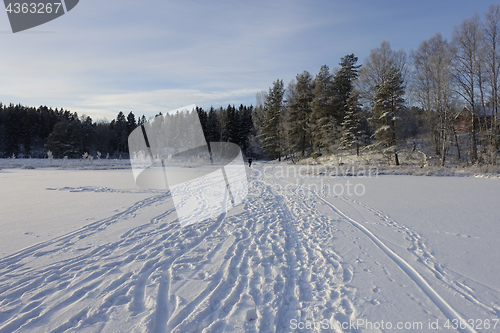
33	132
393	96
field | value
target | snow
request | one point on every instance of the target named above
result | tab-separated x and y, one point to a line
88	251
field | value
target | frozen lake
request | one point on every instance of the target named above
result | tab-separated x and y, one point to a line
89	251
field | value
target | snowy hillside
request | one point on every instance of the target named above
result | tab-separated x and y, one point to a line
88	251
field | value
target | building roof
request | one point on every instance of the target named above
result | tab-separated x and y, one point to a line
479	110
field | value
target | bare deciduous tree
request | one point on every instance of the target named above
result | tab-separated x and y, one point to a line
491	34
374	69
433	89
467	38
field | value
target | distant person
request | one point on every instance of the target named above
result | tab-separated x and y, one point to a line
250	162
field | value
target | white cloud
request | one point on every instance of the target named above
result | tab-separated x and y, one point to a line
164	100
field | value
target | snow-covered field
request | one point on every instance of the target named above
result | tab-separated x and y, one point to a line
88	251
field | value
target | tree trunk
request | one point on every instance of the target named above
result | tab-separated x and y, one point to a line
436	142
496	137
483	125
473	139
396	159
456	142
444	136
443	157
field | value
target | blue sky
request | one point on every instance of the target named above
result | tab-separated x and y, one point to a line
150	56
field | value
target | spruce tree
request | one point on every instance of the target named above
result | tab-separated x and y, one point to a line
87	131
142	120
213	126
246	127
131	123
202	116
231	125
121	133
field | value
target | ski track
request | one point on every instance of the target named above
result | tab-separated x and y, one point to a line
269	260
422	255
427	259
440	302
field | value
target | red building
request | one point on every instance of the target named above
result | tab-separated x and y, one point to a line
464	118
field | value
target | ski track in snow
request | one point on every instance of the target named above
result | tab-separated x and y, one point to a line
267	261
409	270
427	259
422	255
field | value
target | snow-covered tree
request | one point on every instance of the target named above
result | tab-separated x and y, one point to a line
323	126
343	82
352	135
50	156
388	101
380	60
300	112
272	122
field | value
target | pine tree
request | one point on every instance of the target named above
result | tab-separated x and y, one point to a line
66	139
56	141
271	131
300	112
343	85
388	102
323	126
75	143
352	135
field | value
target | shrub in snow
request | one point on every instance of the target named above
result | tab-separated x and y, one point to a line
88	157
50	156
27	166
